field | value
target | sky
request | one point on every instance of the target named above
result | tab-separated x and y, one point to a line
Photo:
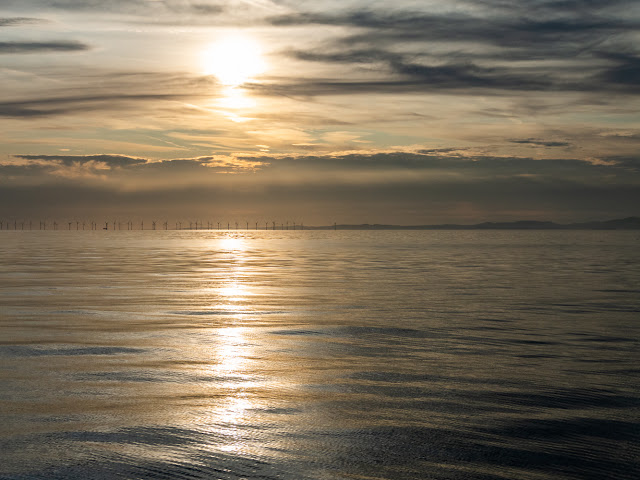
350	111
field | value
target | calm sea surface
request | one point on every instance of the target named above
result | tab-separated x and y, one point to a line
320	355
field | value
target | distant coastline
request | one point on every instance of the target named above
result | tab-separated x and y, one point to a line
629	223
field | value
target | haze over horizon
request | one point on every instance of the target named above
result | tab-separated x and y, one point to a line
420	112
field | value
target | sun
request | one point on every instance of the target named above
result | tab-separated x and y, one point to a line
234	59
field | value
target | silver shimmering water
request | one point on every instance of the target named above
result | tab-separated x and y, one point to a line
320	355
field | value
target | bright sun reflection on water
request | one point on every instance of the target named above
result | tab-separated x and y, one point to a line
234	292
228	412
232	346
231	351
231	244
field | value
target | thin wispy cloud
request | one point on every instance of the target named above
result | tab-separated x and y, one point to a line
541	143
39	47
19	21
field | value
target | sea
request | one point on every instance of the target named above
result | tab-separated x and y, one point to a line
299	355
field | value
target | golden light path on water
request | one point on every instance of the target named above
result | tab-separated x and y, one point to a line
233	351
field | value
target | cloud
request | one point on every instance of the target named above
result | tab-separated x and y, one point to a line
207	9
541	143
43	107
500	47
448	76
626	70
508	30
68	160
40	47
17	21
463	164
430	185
144	9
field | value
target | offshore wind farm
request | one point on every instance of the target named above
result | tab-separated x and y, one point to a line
629	223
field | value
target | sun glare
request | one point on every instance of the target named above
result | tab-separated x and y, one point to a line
234	59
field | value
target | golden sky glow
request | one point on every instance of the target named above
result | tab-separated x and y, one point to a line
452	107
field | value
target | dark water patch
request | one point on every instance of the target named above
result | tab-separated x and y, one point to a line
123	377
574	427
487	328
384	331
418	403
200	462
568	399
608	339
39	351
357	332
531	342
602	361
593	307
304	333
540	355
617	290
582	309
395	377
616	307
404	378
625	371
472	340
369	451
167	436
494	320
396	391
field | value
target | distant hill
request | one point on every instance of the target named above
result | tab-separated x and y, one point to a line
629	223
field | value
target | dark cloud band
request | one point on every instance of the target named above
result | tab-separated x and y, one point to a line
40	47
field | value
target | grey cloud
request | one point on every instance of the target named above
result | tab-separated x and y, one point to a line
461	79
441	160
505	30
17	21
629	163
39	47
30	170
393	184
449	76
110	160
625	72
104	90
452	50
60	105
550	6
135	7
207	9
78	5
541	143
392	202
449	162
